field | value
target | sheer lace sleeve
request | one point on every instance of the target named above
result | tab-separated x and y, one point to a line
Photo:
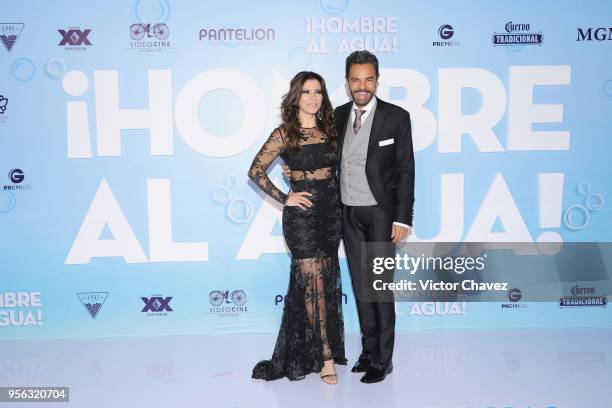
273	147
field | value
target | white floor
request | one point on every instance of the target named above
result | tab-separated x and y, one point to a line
434	368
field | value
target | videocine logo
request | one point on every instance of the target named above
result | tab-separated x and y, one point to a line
149	37
597	34
445	32
74	39
517	34
226	302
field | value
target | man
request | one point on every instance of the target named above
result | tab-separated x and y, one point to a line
377	192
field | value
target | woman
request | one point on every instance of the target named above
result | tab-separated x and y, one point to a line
311	337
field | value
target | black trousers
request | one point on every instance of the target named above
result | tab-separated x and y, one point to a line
369	224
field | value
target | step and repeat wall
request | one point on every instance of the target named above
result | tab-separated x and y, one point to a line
127	129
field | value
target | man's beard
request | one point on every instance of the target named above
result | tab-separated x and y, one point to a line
370	96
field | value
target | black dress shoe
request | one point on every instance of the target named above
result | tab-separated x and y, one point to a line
361	366
376	373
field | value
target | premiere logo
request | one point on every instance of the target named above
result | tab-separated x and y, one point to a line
280	299
74	39
9	33
514	296
16	177
445	32
517	34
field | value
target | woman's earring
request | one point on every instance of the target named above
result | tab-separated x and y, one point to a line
320	115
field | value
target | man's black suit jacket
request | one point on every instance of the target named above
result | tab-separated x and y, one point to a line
390	166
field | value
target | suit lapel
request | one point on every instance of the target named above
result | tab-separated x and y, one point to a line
377	124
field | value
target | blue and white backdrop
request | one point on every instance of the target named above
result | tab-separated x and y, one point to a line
127	128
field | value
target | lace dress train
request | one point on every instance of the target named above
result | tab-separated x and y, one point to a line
312	328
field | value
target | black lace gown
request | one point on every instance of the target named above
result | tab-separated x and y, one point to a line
312	328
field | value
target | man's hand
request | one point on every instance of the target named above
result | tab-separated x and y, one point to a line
286	171
399	233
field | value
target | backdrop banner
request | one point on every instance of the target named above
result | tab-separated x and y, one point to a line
127	129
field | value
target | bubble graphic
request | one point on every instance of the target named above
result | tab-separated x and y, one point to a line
149	11
55	68
75	83
592	202
299	58
594	206
7	201
334	7
239	210
584	188
221	195
23	69
569	217
607	88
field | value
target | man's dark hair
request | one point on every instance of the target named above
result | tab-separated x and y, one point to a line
361	57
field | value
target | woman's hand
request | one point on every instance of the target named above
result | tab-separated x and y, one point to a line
298	199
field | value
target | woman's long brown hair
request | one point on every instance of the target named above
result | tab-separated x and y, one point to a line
290	111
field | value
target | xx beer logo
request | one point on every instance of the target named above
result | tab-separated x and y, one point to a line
74	38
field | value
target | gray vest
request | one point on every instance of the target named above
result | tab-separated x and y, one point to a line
354	188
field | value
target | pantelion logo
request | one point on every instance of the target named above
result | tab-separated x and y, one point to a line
235	36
